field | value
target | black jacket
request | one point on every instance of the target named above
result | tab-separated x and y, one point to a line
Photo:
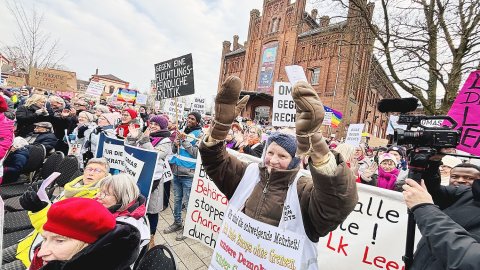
48	139
256	151
116	250
26	117
13	165
450	237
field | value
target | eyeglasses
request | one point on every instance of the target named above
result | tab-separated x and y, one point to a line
102	194
88	169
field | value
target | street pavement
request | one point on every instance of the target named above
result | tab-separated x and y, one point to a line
189	254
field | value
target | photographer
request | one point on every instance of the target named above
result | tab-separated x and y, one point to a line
448	218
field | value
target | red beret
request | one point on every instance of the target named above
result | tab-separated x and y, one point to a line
79	218
132	112
3	105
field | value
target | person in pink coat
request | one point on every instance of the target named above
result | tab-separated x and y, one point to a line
6	134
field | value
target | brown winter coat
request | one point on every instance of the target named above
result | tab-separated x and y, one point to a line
325	200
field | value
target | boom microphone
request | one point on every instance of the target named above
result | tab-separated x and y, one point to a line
401	105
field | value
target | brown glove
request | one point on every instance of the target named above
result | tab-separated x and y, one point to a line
308	121
226	107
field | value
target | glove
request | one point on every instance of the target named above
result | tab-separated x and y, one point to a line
308	121
227	107
39	112
30	201
81	131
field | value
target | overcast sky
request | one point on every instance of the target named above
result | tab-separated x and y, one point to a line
126	38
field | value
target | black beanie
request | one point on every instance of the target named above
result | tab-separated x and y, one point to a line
197	116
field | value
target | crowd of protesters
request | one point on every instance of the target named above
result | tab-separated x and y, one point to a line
29	116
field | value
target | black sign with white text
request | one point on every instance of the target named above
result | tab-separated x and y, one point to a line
175	77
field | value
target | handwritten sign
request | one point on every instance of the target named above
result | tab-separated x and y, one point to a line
16	82
295	74
284	109
48	79
169	109
354	134
174	77
95	88
198	105
465	111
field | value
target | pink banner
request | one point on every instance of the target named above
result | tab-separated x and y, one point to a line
465	110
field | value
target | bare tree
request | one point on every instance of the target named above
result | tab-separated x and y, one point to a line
33	47
426	45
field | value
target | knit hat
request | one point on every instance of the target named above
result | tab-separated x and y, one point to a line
3	105
287	142
451	161
398	149
132	112
197	116
386	156
160	120
88	115
79	218
111	117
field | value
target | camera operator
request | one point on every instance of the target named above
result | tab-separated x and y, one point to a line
448	218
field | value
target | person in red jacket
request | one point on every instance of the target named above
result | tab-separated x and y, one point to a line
129	116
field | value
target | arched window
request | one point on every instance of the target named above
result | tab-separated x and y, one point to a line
111	89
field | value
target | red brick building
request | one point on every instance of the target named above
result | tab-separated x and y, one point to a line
337	58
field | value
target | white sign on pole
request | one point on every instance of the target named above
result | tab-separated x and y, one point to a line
169	108
295	74
198	105
283	105
141	99
354	134
327	120
95	88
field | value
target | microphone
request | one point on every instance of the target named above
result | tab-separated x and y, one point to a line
401	105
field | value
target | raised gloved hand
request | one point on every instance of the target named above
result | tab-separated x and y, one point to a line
30	200
227	107
308	121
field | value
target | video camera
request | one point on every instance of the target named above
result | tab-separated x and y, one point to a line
421	140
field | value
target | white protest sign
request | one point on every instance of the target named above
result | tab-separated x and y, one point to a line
206	208
167	174
42	193
354	134
114	155
246	243
141	99
157	104
295	74
169	108
372	237
327	120
95	88
284	111
133	166
198	105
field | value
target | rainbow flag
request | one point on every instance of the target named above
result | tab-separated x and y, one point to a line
336	116
127	95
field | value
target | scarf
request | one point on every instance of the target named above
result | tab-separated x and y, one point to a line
156	137
76	188
187	130
387	180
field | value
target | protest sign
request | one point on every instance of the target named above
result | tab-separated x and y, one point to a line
327	120
169	109
175	77
15	82
141	165
127	95
295	74
95	88
198	105
284	109
246	243
354	134
111	149
42	193
336	116
465	112
48	79
71	79
206	207
141	99
373	235
157	105
167	174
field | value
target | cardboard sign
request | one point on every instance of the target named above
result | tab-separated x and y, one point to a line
284	109
141	99
354	134
295	74
169	109
127	95
95	88
175	77
48	79
465	111
198	105
71	78
15	82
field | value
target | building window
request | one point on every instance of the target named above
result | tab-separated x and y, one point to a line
112	88
315	76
